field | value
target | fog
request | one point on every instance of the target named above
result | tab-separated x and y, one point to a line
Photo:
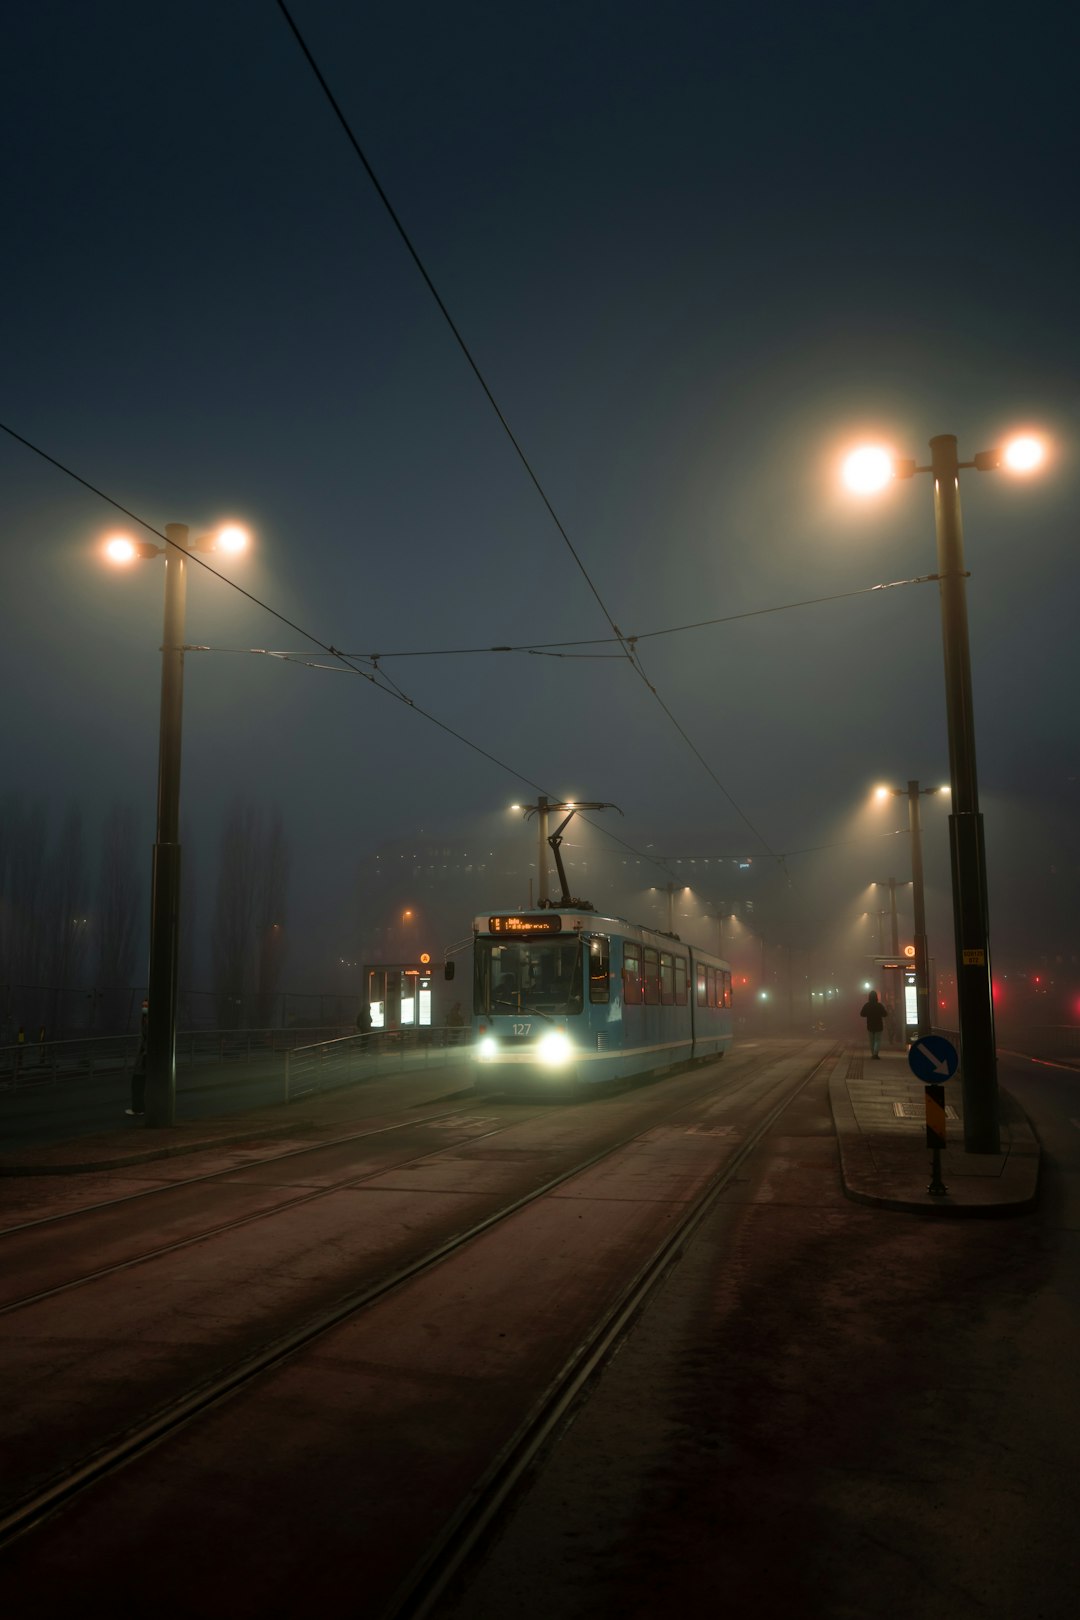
695	256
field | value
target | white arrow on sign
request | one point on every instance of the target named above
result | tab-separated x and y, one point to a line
942	1068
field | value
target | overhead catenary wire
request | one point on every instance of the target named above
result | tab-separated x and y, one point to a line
448	318
345	665
629	648
551	647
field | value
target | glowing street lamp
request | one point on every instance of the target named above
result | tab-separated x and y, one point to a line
161	1011
866	473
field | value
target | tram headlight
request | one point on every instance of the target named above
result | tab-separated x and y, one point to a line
487	1048
554	1048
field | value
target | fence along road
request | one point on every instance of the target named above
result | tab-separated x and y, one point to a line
62	1089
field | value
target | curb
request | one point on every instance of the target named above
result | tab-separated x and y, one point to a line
865	1183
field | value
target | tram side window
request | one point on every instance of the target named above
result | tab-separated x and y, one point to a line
599	965
727	988
711	996
701	992
631	974
652	976
680	981
667	978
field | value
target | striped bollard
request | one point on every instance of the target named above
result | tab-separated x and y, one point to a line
935	1134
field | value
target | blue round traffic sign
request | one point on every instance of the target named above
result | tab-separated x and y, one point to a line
933	1059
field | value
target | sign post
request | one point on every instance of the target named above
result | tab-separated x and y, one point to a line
934	1060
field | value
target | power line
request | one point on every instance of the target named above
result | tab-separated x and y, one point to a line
345	665
462	345
629	649
550	648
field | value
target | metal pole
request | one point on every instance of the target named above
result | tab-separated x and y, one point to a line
894	931
165	874
542	850
971	921
922	981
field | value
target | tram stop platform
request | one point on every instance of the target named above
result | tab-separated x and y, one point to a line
879	1111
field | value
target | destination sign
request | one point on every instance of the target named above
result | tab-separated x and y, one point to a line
525	926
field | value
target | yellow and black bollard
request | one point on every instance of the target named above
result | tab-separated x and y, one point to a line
935	1134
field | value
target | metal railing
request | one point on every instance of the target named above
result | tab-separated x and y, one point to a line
30	1064
331	1065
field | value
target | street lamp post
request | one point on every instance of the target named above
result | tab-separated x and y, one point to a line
163	975
165	871
913	793
967	850
894	927
866	471
540	810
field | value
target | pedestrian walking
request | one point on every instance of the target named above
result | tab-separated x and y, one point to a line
363	1026
138	1072
455	1023
875	1012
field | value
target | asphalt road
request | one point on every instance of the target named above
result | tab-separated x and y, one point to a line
828	1411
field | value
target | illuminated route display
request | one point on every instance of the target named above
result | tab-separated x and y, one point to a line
525	927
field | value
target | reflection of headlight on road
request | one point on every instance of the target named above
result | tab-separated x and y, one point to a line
487	1049
553	1048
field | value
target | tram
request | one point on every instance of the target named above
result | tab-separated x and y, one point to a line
564	996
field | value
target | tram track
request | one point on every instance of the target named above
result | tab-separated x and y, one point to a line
268	1212
204	1397
284	1206
152	1429
165	1187
476	1516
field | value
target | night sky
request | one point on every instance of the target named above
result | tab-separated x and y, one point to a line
696	252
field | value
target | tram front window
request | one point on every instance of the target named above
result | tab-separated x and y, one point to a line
544	976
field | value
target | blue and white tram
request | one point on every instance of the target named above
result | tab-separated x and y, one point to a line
566	996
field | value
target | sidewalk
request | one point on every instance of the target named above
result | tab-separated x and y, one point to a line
879	1113
115	1150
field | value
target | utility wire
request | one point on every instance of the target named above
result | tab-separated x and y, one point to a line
629	650
550	647
447	317
345	666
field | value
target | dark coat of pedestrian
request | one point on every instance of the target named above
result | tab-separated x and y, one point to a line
875	1012
363	1026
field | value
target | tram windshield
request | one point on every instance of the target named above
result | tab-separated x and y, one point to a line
536	976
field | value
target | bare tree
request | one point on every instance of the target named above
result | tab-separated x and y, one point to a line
119	914
26	886
66	920
235	910
273	897
23	909
249	912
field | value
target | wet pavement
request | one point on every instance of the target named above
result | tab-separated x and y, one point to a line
878	1110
